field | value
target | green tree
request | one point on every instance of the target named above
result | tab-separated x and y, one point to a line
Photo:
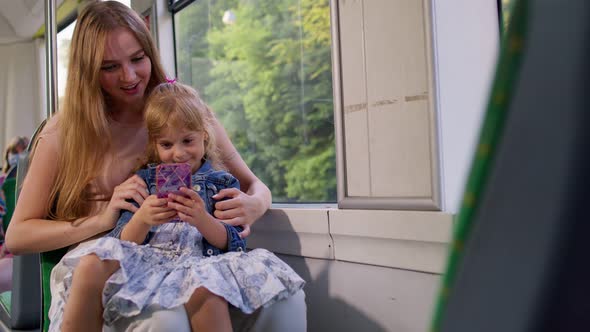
268	78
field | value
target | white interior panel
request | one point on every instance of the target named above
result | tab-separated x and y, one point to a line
302	232
400	150
421	226
404	239
399	137
357	153
354	97
466	35
384	49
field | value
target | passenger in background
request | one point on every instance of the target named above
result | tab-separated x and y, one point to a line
77	183
15	147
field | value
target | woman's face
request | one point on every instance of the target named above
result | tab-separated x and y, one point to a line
125	70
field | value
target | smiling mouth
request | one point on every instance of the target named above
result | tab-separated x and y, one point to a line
130	87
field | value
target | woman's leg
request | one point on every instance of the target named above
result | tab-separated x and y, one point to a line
153	319
289	314
207	311
83	309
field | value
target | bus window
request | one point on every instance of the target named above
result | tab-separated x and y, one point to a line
265	68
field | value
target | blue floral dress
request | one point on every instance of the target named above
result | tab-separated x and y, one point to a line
172	265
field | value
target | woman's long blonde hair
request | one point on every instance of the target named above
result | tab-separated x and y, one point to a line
84	126
175	105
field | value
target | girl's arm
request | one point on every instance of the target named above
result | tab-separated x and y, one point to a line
135	231
29	230
241	208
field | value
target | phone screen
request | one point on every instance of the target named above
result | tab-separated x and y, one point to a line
171	177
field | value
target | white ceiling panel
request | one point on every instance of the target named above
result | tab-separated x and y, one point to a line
20	20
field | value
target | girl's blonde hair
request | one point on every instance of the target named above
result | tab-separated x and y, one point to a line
175	105
16	143
85	135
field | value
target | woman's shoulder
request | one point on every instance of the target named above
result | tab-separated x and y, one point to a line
51	129
48	138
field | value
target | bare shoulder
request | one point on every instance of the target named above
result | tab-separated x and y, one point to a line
48	139
51	128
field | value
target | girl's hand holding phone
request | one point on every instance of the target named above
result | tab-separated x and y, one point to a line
154	211
190	206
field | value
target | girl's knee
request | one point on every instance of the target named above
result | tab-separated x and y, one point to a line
204	293
91	270
202	296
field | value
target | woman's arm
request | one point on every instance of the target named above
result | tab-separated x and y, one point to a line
240	208
29	230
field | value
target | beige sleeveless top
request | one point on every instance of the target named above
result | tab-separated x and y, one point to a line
128	146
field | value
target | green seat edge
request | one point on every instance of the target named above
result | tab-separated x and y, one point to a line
48	261
6	300
9	188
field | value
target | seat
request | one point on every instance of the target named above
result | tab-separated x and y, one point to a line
9	189
518	260
23	313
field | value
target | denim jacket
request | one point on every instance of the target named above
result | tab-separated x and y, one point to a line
206	182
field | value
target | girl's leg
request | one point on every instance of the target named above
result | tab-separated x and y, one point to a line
83	310
207	311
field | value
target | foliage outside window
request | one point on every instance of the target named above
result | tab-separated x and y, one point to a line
265	68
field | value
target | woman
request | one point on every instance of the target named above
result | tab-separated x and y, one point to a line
100	130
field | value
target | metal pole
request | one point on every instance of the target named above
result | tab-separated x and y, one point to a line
51	57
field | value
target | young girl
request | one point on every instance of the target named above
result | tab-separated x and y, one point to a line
168	264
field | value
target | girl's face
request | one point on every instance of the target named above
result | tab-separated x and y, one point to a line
125	70
182	146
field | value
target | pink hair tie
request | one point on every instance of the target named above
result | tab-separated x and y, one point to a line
171	80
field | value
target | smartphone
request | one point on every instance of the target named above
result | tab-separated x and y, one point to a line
170	177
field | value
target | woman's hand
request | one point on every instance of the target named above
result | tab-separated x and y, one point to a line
133	188
191	207
238	209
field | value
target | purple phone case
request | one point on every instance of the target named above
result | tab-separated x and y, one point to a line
170	177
